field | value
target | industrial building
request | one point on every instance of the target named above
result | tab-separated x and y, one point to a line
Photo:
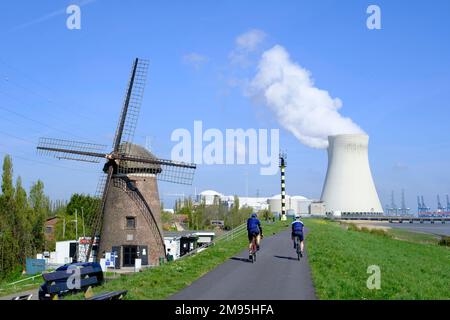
294	204
211	197
349	188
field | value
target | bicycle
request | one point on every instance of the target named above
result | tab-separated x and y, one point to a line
297	247
253	250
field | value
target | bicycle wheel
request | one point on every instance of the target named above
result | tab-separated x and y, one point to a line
254	250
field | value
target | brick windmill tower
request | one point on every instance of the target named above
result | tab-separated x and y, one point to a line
128	218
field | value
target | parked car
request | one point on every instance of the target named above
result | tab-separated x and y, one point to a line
57	283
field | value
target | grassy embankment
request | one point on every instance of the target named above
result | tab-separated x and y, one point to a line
163	281
412	268
7	289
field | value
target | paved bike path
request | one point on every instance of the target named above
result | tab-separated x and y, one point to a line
276	274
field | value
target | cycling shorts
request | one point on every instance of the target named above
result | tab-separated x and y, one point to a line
300	235
252	234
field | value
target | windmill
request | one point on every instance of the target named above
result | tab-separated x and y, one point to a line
128	217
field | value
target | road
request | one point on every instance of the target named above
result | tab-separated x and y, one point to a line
436	228
34	292
277	274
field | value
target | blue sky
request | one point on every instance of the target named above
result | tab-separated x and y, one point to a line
65	83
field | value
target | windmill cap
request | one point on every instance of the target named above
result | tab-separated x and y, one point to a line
138	151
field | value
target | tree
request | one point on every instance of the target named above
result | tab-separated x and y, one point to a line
22	220
86	207
265	214
9	251
235	212
23	216
7	197
39	203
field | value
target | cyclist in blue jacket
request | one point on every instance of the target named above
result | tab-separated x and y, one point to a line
297	231
254	229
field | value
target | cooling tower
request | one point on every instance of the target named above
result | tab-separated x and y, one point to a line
349	186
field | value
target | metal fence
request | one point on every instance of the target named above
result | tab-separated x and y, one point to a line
230	235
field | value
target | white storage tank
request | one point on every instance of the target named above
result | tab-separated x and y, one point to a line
275	203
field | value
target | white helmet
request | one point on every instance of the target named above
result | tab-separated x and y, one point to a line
297	217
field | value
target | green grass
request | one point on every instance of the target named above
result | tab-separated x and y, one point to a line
6	289
161	282
339	259
417	237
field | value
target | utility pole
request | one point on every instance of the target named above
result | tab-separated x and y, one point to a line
76	225
283	163
64	226
82	217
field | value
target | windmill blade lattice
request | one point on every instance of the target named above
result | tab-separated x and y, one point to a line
165	170
71	150
131	106
96	221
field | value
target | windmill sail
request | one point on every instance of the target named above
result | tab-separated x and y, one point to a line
96	222
141	162
131	106
71	150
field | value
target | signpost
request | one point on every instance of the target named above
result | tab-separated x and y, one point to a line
34	266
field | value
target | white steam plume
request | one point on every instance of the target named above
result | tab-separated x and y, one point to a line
309	113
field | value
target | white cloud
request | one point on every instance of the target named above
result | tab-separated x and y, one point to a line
250	40
194	59
246	44
308	112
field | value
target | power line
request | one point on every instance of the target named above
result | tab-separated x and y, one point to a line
23	73
16	137
35	81
49	100
19	101
44	163
22	125
41	123
47	112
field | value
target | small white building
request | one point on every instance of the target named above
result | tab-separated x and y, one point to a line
317	208
173	243
181	242
204	237
65	251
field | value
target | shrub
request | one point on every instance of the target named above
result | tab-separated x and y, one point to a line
445	241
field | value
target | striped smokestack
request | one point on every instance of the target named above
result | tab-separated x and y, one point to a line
283	185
